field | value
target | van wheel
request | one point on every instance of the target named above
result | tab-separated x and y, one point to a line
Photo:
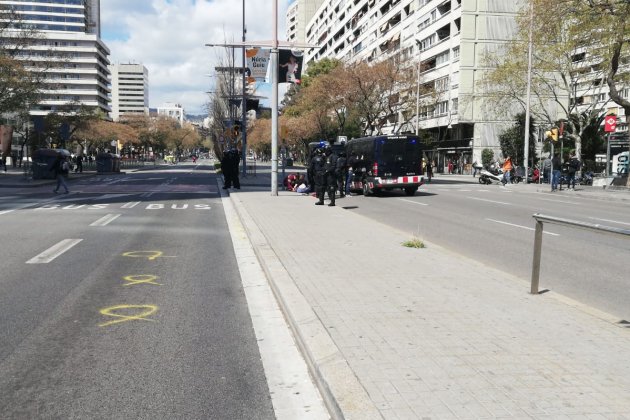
411	190
366	189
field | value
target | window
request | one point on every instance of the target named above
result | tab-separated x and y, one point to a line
441	58
455	53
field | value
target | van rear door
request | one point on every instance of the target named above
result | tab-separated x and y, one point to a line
399	156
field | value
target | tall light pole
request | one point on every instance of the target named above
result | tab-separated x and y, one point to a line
274	102
244	118
529	87
418	88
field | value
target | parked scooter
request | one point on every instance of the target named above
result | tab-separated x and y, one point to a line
489	176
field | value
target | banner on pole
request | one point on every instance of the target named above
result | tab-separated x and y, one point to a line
257	62
290	66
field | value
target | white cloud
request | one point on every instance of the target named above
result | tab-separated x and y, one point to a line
169	37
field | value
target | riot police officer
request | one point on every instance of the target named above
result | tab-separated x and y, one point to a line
330	167
318	170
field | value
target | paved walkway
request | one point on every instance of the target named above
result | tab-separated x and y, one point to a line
402	333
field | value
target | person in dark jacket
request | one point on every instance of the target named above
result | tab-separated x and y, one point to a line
60	168
319	172
555	172
574	166
330	165
229	167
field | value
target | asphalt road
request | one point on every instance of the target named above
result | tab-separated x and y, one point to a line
494	224
139	314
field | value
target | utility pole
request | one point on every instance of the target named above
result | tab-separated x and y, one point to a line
244	118
529	87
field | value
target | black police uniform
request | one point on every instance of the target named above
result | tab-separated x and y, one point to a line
330	166
318	171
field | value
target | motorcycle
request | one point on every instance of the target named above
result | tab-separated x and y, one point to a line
586	178
489	176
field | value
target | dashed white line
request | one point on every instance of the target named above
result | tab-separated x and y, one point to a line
105	220
490	201
54	251
414	202
519	226
604	220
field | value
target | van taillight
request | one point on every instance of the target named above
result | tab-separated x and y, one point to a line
375	169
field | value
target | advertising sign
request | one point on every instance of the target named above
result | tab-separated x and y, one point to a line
290	66
257	62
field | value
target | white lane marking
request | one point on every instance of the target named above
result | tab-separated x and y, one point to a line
9	197
414	202
5	212
560	201
54	251
519	226
602	220
490	201
130	205
105	220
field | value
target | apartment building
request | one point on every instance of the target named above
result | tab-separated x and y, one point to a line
172	110
70	31
446	40
130	90
299	14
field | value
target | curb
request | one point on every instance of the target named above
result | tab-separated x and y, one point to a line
341	390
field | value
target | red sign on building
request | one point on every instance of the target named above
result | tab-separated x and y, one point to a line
610	123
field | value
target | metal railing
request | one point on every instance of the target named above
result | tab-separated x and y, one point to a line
541	218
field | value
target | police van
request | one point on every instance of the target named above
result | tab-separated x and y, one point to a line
385	163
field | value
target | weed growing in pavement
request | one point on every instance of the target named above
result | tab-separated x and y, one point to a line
414	243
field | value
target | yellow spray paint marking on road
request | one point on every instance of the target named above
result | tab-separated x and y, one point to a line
150	255
146	310
141	279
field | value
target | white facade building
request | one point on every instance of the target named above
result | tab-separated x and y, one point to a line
70	32
130	90
299	14
172	110
447	39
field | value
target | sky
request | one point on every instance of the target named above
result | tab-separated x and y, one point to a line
168	37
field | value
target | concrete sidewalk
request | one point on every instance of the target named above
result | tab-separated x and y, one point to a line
402	333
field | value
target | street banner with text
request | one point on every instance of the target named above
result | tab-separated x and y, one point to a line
257	62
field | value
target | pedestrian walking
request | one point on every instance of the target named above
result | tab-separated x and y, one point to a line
319	172
60	168
555	173
574	166
507	170
429	171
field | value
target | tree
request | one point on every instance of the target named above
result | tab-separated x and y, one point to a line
565	66
20	87
512	140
